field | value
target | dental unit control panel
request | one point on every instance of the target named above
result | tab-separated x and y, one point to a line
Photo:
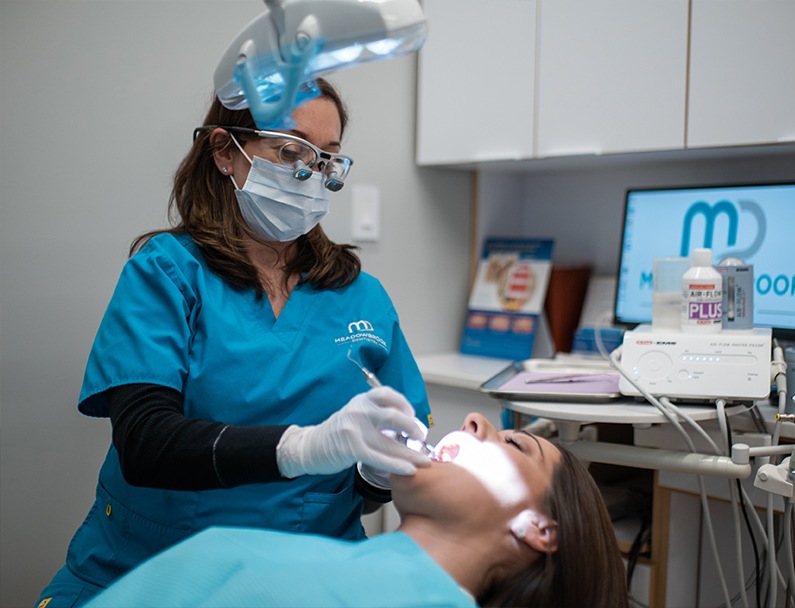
698	367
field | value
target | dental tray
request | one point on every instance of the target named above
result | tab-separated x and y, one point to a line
569	380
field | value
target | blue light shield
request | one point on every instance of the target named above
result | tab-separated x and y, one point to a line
273	88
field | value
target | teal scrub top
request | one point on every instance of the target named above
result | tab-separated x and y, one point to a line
246	567
173	322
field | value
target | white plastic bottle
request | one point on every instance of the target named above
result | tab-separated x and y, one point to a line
702	295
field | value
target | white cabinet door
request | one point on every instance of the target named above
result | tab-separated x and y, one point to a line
612	76
742	73
476	81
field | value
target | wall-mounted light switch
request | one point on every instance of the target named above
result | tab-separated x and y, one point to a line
366	213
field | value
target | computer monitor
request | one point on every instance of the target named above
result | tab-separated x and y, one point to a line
754	222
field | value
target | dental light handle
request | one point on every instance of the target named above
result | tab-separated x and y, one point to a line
277	14
268	114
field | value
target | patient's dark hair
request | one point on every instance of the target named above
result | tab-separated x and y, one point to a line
587	569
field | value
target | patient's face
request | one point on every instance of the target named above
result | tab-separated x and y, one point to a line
479	469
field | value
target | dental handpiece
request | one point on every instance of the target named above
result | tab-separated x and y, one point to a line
418	445
369	376
403	438
372	381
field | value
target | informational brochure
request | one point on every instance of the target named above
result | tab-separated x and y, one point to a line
507	298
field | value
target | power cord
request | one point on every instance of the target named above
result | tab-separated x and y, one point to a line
672	413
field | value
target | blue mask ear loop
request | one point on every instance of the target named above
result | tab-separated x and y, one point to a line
268	114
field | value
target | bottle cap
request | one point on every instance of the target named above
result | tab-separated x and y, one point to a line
731	262
701	257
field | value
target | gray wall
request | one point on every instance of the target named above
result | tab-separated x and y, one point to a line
97	103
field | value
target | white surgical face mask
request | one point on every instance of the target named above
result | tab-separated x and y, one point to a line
276	205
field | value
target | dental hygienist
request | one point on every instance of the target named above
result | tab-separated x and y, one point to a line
223	359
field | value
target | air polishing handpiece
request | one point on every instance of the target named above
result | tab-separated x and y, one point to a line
372	381
418	445
369	376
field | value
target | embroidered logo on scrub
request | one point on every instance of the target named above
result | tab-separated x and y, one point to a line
361	330
360	326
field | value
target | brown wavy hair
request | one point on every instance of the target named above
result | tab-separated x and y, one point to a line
203	205
587	569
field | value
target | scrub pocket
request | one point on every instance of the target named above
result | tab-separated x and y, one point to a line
336	514
113	539
67	591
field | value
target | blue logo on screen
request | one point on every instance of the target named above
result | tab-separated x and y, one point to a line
711	212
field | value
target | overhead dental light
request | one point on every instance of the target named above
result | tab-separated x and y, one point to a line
271	65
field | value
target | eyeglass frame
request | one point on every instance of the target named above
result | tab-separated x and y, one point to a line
347	161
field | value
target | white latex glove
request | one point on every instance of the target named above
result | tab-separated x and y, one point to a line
379	478
375	477
351	435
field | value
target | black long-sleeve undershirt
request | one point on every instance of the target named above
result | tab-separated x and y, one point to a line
159	447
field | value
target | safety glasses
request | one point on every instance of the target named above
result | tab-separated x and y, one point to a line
299	154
